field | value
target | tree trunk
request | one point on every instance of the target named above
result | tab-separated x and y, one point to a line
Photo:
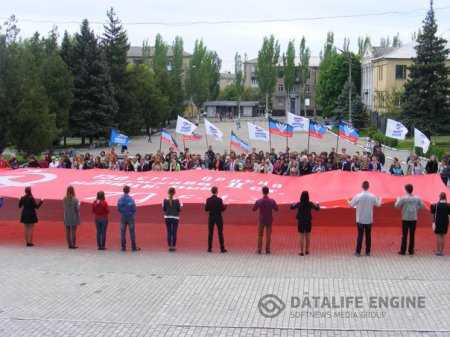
83	140
65	141
267	105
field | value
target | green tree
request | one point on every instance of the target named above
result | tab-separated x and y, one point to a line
149	104
176	77
94	105
32	128
360	117
58	83
289	73
267	68
305	55
214	63
363	45
66	50
202	82
333	73
116	46
425	102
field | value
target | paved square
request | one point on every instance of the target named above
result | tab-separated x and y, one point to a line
51	291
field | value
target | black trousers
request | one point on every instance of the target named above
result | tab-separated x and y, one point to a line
367	230
219	223
71	236
408	226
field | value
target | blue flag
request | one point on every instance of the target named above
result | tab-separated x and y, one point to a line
118	138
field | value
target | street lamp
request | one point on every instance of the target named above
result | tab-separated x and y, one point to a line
349	55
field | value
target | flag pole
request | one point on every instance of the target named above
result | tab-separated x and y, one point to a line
184	144
160	140
337	142
309	137
270	135
287	144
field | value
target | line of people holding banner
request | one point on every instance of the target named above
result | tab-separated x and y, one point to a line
363	202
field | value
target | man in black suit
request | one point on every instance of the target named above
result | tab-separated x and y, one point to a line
214	205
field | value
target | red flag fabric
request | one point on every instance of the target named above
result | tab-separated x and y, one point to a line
331	189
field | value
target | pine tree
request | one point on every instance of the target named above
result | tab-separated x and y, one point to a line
94	106
425	101
116	46
66	51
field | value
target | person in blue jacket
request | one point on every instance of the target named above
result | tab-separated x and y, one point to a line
127	210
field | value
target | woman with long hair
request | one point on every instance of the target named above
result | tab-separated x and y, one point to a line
440	211
71	216
29	217
304	220
171	209
101	210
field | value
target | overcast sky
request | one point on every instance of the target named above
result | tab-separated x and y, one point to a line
245	38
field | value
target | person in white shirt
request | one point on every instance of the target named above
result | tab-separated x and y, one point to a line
364	203
54	163
410	206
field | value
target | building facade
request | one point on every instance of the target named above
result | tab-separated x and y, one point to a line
283	101
384	73
136	56
226	79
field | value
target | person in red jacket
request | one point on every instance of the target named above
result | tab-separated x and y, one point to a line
101	210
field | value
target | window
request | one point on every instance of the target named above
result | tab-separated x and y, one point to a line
400	72
254	81
380	73
307	90
280	87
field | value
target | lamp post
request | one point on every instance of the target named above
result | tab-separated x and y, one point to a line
349	55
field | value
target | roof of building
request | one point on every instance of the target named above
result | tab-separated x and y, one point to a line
314	61
136	52
230	103
407	51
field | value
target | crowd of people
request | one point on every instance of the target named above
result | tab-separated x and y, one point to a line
363	202
290	163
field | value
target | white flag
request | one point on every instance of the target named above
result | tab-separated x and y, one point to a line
299	123
395	130
184	127
213	130
256	132
422	141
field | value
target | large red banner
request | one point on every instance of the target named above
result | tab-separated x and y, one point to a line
331	189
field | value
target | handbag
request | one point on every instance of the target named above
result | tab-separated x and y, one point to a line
433	225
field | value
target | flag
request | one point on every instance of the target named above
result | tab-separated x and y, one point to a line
316	130
395	130
192	138
280	128
299	123
118	138
422	141
239	143
167	138
348	132
213	130
256	132
184	127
